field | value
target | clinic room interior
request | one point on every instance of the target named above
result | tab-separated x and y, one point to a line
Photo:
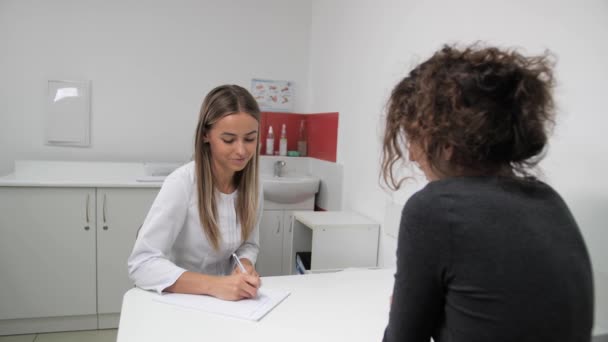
141	70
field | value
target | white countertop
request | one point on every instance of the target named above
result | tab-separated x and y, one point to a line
323	219
37	173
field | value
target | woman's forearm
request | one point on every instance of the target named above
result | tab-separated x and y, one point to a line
193	283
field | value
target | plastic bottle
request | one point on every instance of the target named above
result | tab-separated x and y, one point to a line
283	141
270	142
302	140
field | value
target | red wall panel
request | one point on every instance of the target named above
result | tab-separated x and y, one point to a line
321	132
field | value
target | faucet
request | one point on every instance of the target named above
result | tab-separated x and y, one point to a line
278	167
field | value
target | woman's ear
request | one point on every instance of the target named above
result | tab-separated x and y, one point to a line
206	137
415	152
410	155
448	152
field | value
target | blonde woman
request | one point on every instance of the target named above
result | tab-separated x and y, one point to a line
208	209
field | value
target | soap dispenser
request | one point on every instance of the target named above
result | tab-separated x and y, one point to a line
270	142
283	141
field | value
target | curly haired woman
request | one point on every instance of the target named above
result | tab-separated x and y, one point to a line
486	252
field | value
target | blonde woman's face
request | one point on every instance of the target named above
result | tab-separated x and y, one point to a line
233	141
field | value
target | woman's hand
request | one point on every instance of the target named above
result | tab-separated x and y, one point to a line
236	286
248	267
233	287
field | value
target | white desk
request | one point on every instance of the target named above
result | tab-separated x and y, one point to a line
351	305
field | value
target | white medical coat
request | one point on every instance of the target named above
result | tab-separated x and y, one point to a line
171	240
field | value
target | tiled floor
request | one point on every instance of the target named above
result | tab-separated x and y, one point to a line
108	335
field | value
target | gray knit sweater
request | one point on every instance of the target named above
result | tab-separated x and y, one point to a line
490	259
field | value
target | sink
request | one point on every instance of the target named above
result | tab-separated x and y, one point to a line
289	189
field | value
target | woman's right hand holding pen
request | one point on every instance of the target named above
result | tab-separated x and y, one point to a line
236	286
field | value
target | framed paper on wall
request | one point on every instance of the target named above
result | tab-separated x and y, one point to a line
273	95
68	113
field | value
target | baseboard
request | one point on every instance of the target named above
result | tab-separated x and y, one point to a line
47	324
108	321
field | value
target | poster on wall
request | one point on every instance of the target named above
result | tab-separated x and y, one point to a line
273	95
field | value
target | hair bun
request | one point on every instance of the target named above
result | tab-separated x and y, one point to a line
498	82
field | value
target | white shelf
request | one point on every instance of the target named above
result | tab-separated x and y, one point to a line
336	239
323	219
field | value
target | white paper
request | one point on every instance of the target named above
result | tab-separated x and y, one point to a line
250	309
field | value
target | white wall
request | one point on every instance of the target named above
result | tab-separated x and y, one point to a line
150	63
360	49
331	174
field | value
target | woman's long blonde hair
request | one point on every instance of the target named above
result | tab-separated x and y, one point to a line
220	102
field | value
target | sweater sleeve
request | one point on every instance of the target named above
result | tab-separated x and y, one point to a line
250	248
422	250
149	265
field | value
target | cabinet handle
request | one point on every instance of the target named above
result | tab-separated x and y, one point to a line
105	226
278	227
104	208
87	207
290	224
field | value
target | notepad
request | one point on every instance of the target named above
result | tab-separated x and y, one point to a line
249	309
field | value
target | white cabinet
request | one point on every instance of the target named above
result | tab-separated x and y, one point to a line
47	252
276	232
120	213
336	239
63	255
288	266
270	256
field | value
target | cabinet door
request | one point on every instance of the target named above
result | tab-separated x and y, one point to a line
120	213
47	252
270	257
288	266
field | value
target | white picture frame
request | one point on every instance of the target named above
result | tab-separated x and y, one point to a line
68	113
273	95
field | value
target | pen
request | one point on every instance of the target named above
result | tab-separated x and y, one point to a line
238	262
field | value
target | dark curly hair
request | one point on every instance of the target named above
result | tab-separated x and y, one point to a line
492	107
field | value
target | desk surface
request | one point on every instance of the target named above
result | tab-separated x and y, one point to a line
351	305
